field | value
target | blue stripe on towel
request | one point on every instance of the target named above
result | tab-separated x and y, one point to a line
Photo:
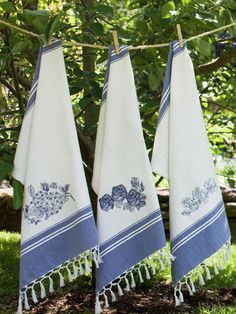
43	49
126	232
174	50
33	90
195	244
58	249
199	223
47	48
80	214
130	247
113	57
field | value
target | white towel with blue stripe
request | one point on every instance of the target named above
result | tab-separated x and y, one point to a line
181	153
130	227
58	233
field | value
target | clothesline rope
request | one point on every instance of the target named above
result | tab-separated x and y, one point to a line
24	31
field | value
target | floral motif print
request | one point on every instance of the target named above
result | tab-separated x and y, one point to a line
121	198
106	202
46	202
199	196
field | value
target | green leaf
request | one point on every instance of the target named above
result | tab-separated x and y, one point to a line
142	26
224	16
139	60
97	28
104	10
167	7
204	47
66	7
18	194
103	57
123	34
8	7
231	182
185	2
20	46
153	81
5	169
151	11
37	18
4	61
53	26
85	101
231	4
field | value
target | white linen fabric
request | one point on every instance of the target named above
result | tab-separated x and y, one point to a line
181	154
129	221
58	233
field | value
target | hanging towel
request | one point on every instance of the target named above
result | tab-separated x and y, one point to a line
181	153
58	233
130	226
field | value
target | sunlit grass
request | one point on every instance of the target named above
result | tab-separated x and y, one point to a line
226	277
9	266
217	309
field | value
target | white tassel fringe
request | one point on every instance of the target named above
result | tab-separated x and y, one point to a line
75	264
215	261
128	277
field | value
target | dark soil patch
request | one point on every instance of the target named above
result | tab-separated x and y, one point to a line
157	299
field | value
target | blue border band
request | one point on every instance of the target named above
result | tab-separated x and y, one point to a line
124	233
193	228
55	228
62	247
200	247
129	248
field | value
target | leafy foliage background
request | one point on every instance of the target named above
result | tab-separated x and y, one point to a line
137	22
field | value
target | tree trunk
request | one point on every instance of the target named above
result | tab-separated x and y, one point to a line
88	154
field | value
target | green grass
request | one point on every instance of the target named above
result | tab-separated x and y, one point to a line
9	275
9	266
217	309
226	277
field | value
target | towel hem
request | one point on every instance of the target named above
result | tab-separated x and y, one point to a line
75	267
217	261
127	277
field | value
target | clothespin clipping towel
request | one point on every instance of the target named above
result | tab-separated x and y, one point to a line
116	43
180	35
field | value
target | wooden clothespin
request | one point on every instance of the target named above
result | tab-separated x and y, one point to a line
116	43
180	35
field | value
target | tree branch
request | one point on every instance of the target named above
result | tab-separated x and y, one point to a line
23	81
19	29
16	83
214	65
12	69
221	106
8	85
10	129
222	132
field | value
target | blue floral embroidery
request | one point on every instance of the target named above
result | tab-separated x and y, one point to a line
46	202
120	197
199	196
106	202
